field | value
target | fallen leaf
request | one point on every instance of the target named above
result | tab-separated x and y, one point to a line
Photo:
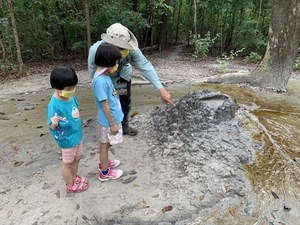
42	134
29	163
129	180
167	209
231	211
274	195
19	201
131	172
218	194
57	193
84	217
77	206
224	189
15	147
143	205
4	118
134	114
17	164
201	197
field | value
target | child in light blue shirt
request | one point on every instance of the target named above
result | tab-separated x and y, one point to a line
110	113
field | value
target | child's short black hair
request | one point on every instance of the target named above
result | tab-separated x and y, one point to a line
107	55
63	76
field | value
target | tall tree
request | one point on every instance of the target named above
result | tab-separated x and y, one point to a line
283	40
88	23
1	42
2	6
62	16
163	39
15	32
178	21
135	4
195	18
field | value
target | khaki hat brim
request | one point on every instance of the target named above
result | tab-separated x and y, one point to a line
131	44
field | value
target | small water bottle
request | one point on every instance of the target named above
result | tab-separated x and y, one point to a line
60	130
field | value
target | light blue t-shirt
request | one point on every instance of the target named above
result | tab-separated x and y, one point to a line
68	133
103	89
135	56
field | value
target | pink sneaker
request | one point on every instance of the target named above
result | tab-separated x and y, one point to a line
111	164
111	175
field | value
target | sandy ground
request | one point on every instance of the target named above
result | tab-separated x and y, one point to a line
32	189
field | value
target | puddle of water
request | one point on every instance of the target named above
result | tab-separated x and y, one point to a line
274	172
279	115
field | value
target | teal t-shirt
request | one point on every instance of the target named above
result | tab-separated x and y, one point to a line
68	133
103	89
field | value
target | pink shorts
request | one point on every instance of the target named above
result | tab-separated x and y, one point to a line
107	137
69	154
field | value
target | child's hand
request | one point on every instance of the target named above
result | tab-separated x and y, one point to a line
54	121
114	129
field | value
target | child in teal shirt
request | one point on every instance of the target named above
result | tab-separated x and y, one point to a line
65	125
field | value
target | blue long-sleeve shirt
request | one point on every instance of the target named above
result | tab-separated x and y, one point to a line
136	56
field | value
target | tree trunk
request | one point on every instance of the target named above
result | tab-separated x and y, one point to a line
229	36
173	21
61	16
163	42
189	22
178	22
2	6
88	24
15	32
135	5
284	38
276	67
2	50
195	17
148	38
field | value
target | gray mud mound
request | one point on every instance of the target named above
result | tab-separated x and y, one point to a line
202	147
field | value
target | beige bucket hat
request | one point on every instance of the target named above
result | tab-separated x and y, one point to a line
120	36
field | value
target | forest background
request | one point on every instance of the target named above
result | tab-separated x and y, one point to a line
38	32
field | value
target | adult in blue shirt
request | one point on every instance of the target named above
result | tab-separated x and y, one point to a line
121	37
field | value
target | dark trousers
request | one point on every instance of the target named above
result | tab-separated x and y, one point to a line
126	102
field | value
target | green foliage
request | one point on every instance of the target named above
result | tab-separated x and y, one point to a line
225	60
112	14
297	61
46	28
250	38
253	57
203	45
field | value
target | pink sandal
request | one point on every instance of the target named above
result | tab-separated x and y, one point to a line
78	186
81	179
